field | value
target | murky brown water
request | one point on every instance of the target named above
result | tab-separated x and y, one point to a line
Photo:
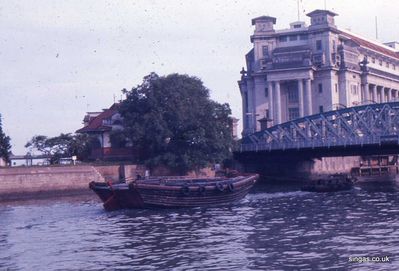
273	228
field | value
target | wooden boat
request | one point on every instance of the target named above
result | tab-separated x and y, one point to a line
168	192
377	168
332	183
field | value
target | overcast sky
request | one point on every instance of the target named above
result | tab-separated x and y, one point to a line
60	59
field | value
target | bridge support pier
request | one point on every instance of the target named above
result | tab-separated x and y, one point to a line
296	168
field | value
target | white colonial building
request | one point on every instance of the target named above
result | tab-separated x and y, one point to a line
305	70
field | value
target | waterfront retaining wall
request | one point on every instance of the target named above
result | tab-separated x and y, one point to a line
25	182
30	182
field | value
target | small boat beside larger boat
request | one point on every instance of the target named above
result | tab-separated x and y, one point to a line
173	192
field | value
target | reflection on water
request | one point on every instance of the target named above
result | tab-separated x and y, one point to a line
273	228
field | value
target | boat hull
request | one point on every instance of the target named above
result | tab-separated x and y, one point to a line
334	183
172	193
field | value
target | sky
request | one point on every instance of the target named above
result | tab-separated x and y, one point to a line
61	59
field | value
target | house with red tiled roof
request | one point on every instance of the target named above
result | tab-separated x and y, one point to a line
102	126
308	69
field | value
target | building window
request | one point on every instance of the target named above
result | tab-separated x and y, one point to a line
297	26
107	122
266	92
354	89
336	88
293	37
292	95
265	51
293	113
318	45
303	37
320	88
282	38
380	62
394	67
373	60
321	109
387	65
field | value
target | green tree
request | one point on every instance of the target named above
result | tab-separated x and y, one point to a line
64	145
80	146
175	123
5	146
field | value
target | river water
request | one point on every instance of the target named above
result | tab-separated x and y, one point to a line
273	228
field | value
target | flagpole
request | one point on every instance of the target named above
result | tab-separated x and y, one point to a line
297	1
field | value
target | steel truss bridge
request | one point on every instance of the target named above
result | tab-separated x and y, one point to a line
367	126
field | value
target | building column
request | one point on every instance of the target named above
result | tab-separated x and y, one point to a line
366	90
278	102
308	93
375	98
249	114
379	94
389	95
244	111
386	90
271	101
300	98
382	97
254	122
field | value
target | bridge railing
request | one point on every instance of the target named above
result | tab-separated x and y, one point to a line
308	144
361	125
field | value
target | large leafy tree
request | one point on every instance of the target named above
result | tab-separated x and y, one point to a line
64	145
174	123
5	146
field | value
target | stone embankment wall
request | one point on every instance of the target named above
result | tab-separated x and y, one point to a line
30	182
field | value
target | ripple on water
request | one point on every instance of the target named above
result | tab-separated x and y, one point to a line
266	231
